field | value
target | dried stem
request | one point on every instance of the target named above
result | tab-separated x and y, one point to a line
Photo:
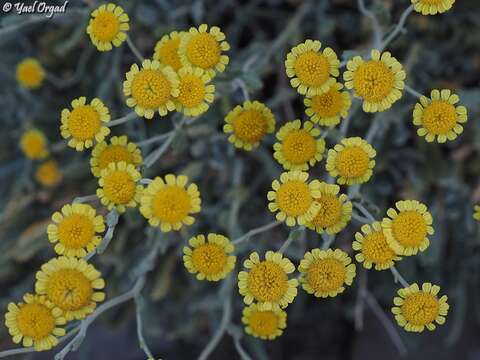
256	231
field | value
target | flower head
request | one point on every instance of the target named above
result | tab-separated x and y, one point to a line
169	203
195	92
108	26
476	212
325	273
248	124
416	309
48	174
166	50
438	117
34	144
312	71
379	81
299	147
432	7
263	323
352	161
267	281
329	108
209	258
30	73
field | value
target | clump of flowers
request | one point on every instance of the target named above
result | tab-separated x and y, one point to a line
476	212
166	50
195	92
34	144
263	322
48	174
432	7
329	108
108	26
30	73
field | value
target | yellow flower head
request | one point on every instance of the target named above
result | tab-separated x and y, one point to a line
438	117
209	258
151	88
35	322
292	198
372	247
299	147
476	212
325	273
432	7
75	230
352	161
166	50
330	107
266	324
34	144
267	281
204	48
195	92
118	186
71	284
30	73
108	26
407	229
169	203
334	210
48	174
379	81
248	124
313	72
417	309
118	150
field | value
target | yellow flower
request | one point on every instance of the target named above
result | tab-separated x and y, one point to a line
379	81
417	309
30	73
373	248
476	212
71	284
334	210
325	273
209	259
203	48
108	26
151	88
48	174
328	108
85	123
312	71
169	203
118	150
267	281
299	148
34	144
438	117
118	186
35	321
407	229
166	50
75	230
248	124
195	92
352	161
292	198
266	324
432	7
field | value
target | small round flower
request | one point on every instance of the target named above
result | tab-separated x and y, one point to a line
407	229
438	117
330	107
292	198
108	26
299	147
195	92
35	322
203	48
118	186
379	81
266	324
151	88
476	212
417	309
210	259
34	144
334	210
373	248
169	203
118	150
351	161
267	281
312	71
248	124
75	230
30	73
325	273
71	284
48	174
166	50
432	7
